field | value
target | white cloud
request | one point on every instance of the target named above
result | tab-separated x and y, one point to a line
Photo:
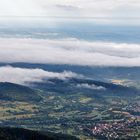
92	86
67	7
69	51
24	76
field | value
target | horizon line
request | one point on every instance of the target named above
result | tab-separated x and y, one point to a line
70	17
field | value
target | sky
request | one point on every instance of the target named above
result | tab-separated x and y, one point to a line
71	8
70	50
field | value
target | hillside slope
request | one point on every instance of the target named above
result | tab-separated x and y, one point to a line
24	134
14	92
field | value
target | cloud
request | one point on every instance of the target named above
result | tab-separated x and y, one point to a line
94	87
24	76
67	7
69	51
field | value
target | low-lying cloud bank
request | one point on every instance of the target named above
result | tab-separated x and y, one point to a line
69	51
92	86
24	76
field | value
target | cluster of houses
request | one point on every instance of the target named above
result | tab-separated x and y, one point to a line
113	130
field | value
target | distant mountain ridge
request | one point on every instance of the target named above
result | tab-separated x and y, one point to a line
97	72
71	87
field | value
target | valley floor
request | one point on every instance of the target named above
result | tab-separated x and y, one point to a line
77	115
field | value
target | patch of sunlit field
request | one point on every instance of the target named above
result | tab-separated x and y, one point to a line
126	82
18	110
85	99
